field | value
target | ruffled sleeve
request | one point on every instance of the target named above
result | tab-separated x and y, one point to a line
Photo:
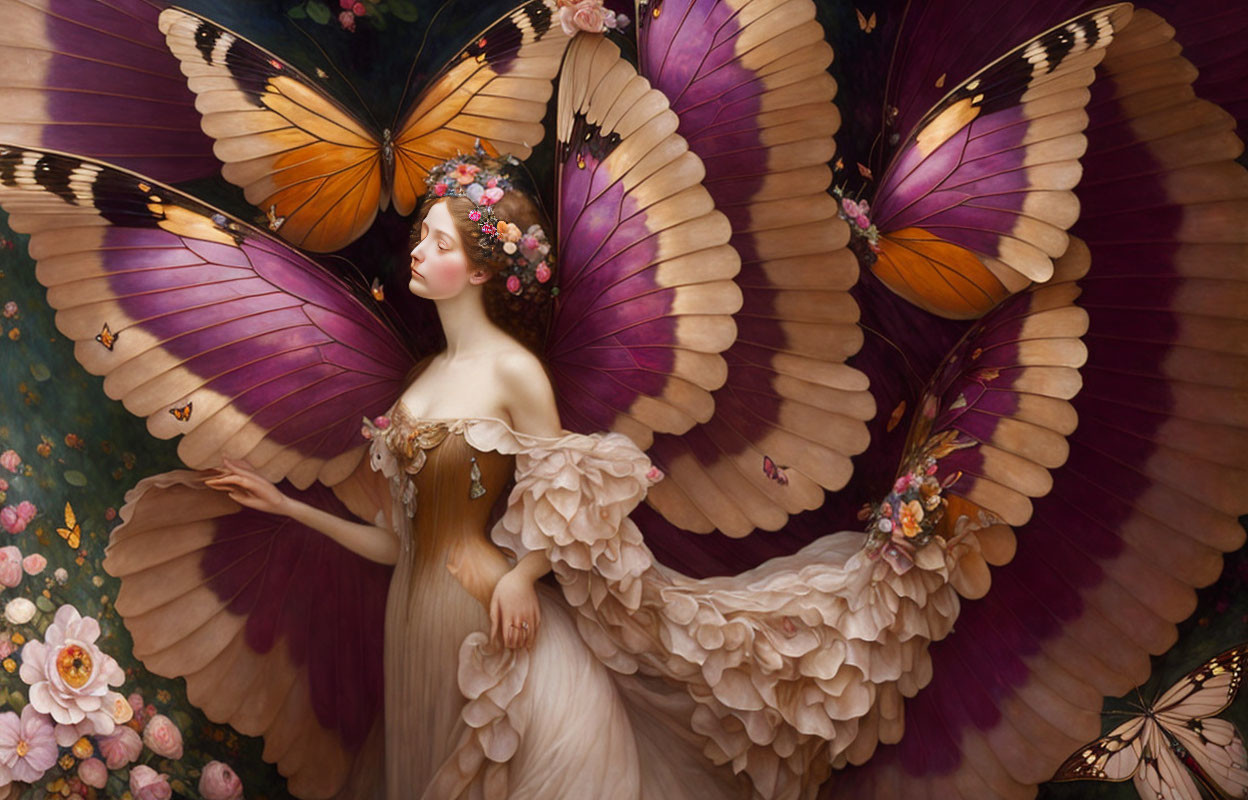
571	500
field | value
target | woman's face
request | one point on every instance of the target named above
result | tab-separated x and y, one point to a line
440	266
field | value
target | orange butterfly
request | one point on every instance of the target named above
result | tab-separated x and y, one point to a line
1153	747
182	413
320	171
106	337
72	532
865	24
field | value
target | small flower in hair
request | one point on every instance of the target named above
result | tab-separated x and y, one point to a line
439	189
474	215
542	273
491	196
466	173
488	229
513	284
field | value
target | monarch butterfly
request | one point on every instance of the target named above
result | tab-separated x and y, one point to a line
72	532
181	413
106	337
774	472
1153	747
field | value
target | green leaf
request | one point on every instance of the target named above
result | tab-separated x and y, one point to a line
40	372
298	12
318	11
405	10
377	20
17	701
44	604
75	478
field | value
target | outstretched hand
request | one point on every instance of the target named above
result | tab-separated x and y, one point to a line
248	488
514	611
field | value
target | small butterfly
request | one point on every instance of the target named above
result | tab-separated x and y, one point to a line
275	221
865	24
183	413
775	473
864	171
940	82
322	74
1153	747
106	337
379	291
72	532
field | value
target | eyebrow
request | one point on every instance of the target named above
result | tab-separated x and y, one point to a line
425	223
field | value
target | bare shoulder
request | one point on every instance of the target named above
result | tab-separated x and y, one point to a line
530	397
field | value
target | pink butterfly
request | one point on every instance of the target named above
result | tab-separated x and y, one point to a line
1171	746
775	473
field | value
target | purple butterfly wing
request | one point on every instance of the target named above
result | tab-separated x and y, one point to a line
645	272
1147	499
94	77
264	355
976	202
748	81
277	629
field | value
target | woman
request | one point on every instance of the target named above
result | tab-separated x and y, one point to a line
554	723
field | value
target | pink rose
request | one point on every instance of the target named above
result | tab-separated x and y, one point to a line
34	564
513	284
439	189
120	748
146	784
491	183
10	521
93	773
4	485
163	737
466	173
359	10
10	310
902	483
219	782
136	702
110	514
491	196
542	272
10	460
382	422
26	511
529	242
10	566
862	221
347	20
586	15
850	208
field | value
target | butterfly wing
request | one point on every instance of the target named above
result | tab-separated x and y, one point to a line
494	91
1206	690
1218	750
298	154
976	202
271	358
1114	757
645	287
1147	499
93	77
1161	774
747	80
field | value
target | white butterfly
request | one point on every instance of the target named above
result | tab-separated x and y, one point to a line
1171	745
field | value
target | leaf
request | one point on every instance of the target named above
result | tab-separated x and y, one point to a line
318	12
17	701
75	478
405	10
44	605
298	12
377	20
40	372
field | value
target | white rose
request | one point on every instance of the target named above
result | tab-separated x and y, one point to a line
19	611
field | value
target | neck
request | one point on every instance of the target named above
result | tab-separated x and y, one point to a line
464	322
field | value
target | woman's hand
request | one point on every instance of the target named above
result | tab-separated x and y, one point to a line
249	488
514	611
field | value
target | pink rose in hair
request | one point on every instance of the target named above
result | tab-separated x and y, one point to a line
491	196
513	284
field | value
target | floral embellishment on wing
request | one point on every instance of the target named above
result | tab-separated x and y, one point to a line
864	238
589	16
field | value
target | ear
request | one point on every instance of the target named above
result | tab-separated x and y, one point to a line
477	277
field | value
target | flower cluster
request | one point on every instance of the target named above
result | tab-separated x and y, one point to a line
589	16
907	519
857	214
527	251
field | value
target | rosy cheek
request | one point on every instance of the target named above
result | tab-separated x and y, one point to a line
444	275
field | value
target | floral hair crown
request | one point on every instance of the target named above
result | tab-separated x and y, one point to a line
527	252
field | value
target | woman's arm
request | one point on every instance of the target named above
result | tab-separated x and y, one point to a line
248	488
